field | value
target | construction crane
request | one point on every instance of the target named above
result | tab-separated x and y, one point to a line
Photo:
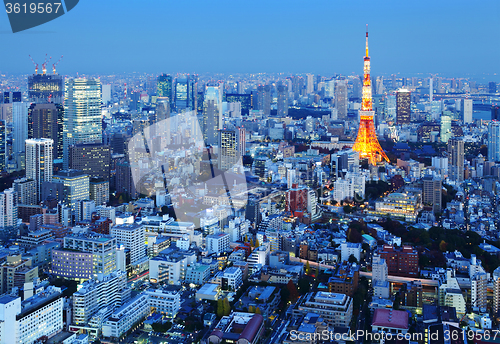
45	64
55	64
36	64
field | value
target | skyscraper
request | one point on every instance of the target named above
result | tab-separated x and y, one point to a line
39	162
46	121
456	160
431	193
185	93
264	99
76	186
282	101
494	141
403	106
93	159
492	86
82	114
341	99
466	110
20	124
164	88
8	210
309	83
46	88
231	147
431	90
3	145
212	114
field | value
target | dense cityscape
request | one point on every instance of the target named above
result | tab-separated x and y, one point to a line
248	208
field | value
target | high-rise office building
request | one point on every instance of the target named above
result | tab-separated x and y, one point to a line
93	159
20	124
264	99
123	180
282	101
99	191
26	191
246	101
75	185
494	141
8	210
164	88
431	90
495	112
492	87
186	90
133	236
46	121
341	99
309	83
403	106
212	114
82	114
445	132
456	160
431	193
3	145
466	110
46	88
106	93
231	147
39	162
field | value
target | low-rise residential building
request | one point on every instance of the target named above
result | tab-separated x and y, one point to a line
266	299
335	309
229	279
165	301
197	274
125	317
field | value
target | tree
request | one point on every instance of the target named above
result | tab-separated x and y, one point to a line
246	238
251	309
442	246
257	243
220	308
304	285
251	242
294	294
226	307
257	311
353	259
308	268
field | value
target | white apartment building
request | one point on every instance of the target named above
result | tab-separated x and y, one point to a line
348	248
37	316
217	243
164	301
229	279
171	267
451	295
133	236
126	316
110	291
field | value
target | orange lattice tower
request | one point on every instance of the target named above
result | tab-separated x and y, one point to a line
366	143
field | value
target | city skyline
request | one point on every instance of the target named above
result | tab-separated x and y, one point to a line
406	38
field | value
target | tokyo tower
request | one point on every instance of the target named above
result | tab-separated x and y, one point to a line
366	142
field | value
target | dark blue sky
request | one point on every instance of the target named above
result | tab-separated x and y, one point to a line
453	38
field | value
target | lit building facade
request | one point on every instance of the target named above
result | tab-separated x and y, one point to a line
82	114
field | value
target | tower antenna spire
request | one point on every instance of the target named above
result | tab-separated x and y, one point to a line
366	40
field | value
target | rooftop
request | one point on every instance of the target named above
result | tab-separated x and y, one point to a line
390	318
